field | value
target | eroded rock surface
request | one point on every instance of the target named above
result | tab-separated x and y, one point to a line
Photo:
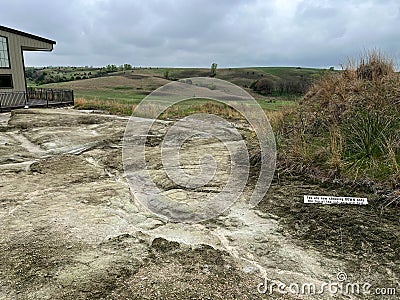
71	229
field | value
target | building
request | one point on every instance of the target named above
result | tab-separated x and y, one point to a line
12	45
13	88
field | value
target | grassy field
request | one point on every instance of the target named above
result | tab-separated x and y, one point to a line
119	92
145	78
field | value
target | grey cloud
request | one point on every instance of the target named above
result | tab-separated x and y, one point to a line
198	32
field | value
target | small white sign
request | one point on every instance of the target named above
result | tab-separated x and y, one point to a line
335	200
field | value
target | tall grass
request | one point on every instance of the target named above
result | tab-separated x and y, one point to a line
352	118
111	106
182	109
186	108
368	133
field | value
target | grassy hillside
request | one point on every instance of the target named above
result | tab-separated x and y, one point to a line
135	84
120	91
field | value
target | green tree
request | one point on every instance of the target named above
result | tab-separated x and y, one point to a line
263	86
127	67
213	70
166	74
111	68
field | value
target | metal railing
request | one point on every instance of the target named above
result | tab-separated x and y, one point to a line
12	100
36	97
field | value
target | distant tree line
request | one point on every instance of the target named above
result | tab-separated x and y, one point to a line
63	74
282	87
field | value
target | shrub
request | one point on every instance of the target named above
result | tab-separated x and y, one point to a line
370	83
263	86
354	115
166	74
213	71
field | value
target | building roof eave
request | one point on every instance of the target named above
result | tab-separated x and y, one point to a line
25	34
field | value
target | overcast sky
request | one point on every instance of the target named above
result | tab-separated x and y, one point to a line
232	33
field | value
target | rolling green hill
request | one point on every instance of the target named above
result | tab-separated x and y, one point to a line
135	84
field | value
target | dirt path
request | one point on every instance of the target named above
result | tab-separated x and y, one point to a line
70	229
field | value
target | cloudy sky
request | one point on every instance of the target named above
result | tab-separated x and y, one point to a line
187	33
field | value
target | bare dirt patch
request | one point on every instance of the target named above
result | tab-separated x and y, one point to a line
70	228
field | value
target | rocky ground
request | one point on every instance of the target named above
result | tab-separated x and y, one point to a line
71	229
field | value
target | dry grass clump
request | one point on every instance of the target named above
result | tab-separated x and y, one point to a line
187	108
374	67
110	106
369	83
349	121
177	111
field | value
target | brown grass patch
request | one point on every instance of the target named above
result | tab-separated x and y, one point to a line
348	124
110	106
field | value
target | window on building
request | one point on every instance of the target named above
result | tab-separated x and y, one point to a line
4	57
6	81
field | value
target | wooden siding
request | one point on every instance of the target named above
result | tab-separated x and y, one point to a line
16	45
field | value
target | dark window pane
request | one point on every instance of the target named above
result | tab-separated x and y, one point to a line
6	81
